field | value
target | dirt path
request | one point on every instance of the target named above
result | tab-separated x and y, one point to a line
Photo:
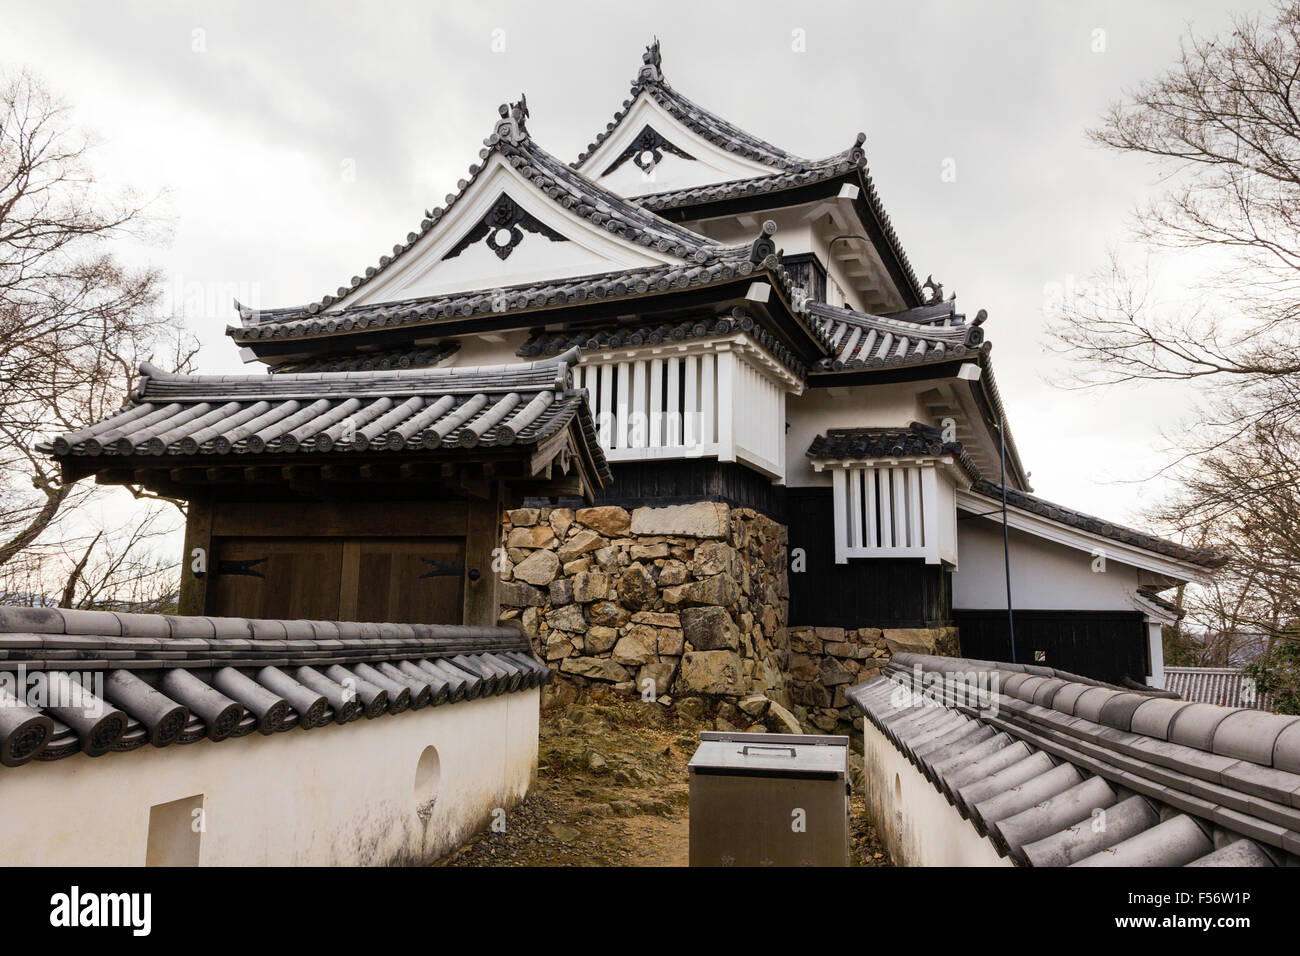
612	791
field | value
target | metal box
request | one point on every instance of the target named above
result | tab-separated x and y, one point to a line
769	800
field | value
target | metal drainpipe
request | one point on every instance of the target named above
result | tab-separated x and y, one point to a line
1006	535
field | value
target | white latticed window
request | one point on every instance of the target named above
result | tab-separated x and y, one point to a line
892	509
723	399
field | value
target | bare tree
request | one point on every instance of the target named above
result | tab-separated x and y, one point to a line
74	321
1223	127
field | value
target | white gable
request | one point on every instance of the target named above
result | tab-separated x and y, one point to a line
708	163
434	266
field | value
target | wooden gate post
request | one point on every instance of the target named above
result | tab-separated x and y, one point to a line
482	538
198	536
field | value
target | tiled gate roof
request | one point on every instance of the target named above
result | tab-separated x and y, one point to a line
224	416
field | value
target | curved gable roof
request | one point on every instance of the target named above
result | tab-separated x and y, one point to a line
700	121
539	180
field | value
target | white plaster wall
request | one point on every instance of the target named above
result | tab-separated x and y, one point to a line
332	796
494	349
1156	650
818	409
1044	575
795	235
916	823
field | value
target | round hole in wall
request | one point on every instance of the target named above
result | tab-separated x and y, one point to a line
501	238
427	773
647	158
898	787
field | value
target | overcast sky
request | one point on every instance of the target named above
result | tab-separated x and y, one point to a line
297	142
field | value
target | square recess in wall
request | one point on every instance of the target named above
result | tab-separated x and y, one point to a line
175	832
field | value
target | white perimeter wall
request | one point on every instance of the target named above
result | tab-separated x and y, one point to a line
1044	575
333	796
916	823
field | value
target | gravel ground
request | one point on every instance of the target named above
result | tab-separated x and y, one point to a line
607	797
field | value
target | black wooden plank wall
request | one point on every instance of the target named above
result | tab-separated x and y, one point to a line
1104	645
682	481
863	592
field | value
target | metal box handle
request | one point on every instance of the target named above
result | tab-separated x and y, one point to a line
765	749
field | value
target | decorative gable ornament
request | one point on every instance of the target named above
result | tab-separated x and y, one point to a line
512	127
646	151
652	70
934	290
502	228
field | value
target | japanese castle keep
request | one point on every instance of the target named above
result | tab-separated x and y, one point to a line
679	410
692	387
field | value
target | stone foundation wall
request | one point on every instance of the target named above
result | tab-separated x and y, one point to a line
693	597
825	661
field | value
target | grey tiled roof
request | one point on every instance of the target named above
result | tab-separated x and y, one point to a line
817	171
696	118
176	680
411	356
859	340
553	179
304	412
292	323
1151	594
917	439
1226	686
850	162
792	171
1099	526
542	343
1031	763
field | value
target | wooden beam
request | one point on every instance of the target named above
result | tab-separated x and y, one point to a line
367	518
198	537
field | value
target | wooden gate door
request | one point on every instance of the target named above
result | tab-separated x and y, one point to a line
410	580
284	578
406	580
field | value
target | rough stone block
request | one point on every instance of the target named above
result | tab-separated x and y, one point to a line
673	572
600	639
710	629
590	586
609	520
567	618
636	587
721	590
712	672
702	519
536	536
579	544
671	641
640	645
595	668
523	517
561	592
911	640
607	613
660	672
538	568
